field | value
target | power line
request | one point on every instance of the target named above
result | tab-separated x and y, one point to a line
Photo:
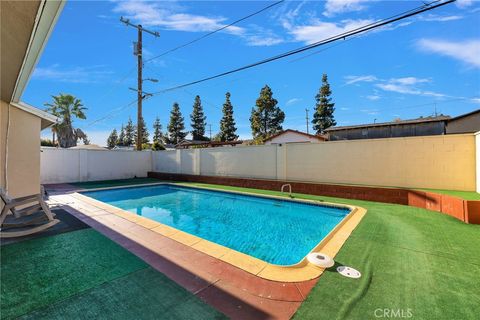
344	35
174	49
112	113
215	31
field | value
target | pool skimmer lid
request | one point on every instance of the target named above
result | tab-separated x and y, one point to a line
349	272
320	260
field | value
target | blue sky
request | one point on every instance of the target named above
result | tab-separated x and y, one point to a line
405	70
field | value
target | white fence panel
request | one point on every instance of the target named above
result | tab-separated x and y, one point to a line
250	162
165	161
64	165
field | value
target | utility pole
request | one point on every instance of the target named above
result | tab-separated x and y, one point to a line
306	117
210	130
137	50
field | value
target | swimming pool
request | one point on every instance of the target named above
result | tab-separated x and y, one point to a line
278	231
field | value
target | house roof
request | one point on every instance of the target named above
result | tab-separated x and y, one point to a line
465	115
296	131
25	28
391	123
88	147
192	143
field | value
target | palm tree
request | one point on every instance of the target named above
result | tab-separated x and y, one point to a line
66	106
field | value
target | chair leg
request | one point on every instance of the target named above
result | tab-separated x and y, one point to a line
46	209
4	214
11	234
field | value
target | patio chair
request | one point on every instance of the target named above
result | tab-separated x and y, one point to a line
35	216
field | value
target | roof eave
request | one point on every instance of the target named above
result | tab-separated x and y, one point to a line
47	16
47	118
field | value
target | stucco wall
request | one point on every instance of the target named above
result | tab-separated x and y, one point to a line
477	159
23	153
64	165
437	162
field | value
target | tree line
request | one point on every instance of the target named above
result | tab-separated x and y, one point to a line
266	119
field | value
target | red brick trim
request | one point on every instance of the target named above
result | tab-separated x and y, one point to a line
465	210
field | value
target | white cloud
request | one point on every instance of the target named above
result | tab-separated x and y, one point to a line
292	101
467	51
171	16
355	79
464	3
408	81
320	30
165	15
334	7
58	73
373	97
371	112
475	100
259	36
408	85
438	18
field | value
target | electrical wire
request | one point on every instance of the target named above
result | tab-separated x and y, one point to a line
172	50
215	31
344	35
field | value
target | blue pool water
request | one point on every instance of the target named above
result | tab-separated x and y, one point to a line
281	232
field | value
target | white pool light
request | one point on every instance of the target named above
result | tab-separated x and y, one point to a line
320	260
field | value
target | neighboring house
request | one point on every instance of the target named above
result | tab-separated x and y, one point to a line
25	28
88	147
465	123
293	136
402	128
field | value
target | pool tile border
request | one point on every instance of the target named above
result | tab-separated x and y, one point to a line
303	271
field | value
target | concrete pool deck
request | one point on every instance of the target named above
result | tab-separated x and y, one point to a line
233	284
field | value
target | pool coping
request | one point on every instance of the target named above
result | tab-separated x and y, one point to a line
302	271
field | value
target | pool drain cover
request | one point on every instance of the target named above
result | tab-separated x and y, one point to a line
349	272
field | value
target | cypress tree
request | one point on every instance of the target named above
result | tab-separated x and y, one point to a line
112	139
145	133
157	131
227	123
324	108
198	120
266	118
176	125
121	137
130	134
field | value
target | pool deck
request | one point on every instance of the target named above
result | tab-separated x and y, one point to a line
237	293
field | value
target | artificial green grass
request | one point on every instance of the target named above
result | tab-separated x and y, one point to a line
113	183
465	195
83	271
144	294
411	259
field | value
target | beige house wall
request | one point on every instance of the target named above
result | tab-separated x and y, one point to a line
22	151
477	159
